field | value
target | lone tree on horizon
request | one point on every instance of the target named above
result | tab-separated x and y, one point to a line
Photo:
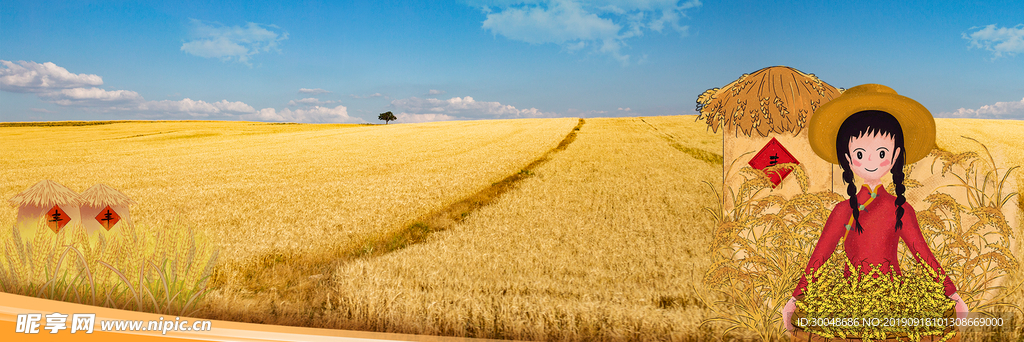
387	116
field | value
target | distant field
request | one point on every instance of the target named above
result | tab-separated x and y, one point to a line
256	187
1003	138
603	241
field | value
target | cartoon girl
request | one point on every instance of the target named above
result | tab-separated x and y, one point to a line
870	130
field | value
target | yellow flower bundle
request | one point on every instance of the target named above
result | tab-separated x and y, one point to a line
873	305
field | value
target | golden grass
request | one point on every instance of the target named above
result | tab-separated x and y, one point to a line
602	242
154	269
607	240
913	294
1002	139
690	137
262	191
305	275
767	237
255	187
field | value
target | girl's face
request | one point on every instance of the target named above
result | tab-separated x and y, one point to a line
872	156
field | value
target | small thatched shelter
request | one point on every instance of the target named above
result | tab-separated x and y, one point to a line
50	200
762	116
773	100
104	207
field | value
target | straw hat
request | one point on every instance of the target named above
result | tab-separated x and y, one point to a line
916	121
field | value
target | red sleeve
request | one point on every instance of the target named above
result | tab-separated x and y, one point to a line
835	228
911	235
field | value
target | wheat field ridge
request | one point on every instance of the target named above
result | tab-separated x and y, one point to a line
257	189
604	242
606	239
254	187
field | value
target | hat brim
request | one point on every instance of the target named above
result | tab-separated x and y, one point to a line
916	121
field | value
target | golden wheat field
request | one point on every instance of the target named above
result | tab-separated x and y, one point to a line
601	235
1002	138
604	242
254	187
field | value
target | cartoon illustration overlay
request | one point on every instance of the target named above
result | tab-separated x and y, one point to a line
98	208
763	117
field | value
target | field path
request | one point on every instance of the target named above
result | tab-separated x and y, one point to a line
257	188
604	241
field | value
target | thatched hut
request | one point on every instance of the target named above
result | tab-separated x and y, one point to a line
104	207
47	200
762	116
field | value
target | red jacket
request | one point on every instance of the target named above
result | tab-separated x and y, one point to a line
877	244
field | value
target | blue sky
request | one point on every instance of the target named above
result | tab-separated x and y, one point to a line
315	61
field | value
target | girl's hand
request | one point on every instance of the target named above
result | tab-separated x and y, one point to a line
961	310
787	314
961	307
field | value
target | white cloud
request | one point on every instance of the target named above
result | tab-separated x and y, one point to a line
603	24
316	114
214	40
999	110
461	108
436	92
196	108
316	91
415	118
126	100
1002	40
309	101
91	97
559	22
56	85
32	77
354	96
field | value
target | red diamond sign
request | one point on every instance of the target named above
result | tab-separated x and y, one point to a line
56	219
771	154
108	218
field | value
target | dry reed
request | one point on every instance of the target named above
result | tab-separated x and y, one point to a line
161	270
